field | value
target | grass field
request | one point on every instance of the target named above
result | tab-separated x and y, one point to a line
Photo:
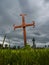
24	56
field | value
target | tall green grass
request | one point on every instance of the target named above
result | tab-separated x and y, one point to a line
24	56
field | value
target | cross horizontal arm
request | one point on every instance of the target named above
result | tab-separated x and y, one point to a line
29	25
33	24
17	27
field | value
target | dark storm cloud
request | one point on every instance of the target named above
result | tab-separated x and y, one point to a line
8	15
36	10
24	6
46	1
32	12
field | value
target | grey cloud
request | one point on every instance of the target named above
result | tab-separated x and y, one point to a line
46	1
24	6
9	15
5	11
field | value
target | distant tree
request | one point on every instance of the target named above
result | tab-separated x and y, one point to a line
18	47
1	45
6	46
48	45
45	46
34	45
14	47
9	47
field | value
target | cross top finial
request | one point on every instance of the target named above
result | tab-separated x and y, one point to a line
23	14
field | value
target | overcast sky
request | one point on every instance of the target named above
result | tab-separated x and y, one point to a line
37	10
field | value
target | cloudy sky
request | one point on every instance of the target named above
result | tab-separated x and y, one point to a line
37	10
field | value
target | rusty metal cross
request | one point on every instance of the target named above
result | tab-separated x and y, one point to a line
24	25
